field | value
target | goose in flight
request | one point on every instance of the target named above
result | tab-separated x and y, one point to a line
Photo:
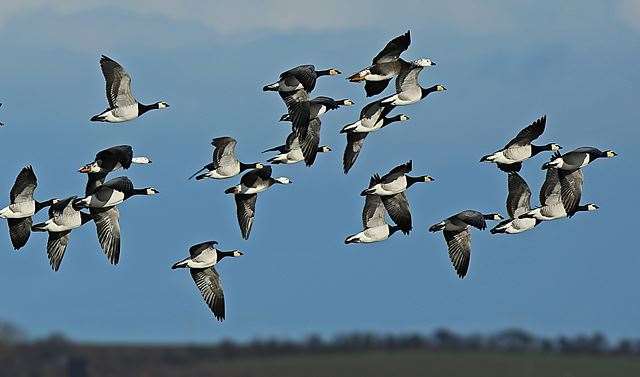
122	104
395	182
577	158
63	218
560	196
384	66
520	148
112	193
19	213
201	264
375	227
458	238
318	106
112	159
301	77
246	194
290	152
518	203
372	118
225	164
408	89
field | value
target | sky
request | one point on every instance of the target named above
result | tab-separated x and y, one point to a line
504	64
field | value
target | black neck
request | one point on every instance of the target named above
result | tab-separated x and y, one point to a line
411	180
222	254
387	121
393	229
324	72
142	108
85	217
535	149
41	205
582	208
244	166
426	91
138	191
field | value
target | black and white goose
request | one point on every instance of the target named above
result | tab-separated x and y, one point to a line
301	77
19	213
395	182
577	158
518	203
375	227
290	152
408	89
560	196
520	148
309	139
385	66
63	218
201	264
372	118
225	164
112	193
458	238
114	158
318	106
123	106
246	194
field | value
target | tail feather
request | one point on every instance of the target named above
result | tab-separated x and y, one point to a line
180	264
196	173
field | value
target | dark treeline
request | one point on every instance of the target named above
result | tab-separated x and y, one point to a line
21	356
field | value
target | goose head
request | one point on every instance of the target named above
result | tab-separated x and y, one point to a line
151	191
334	71
162	105
592	207
90	168
282	180
424	62
609	154
324	149
237	253
493	216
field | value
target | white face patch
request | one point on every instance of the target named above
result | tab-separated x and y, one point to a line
162	105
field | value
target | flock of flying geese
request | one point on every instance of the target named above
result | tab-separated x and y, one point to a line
560	193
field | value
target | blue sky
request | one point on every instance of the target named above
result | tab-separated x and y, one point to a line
504	65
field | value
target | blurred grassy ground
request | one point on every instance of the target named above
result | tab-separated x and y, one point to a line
422	363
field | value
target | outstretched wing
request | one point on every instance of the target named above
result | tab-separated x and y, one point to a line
56	246
529	133
459	245
224	152
398	208
108	228
118	83
393	49
355	141
208	282
519	197
24	186
310	140
246	212
19	231
397	172
571	190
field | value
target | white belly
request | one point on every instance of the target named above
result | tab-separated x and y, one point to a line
116	198
251	190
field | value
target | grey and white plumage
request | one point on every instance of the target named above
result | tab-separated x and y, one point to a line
63	218
519	149
19	213
458	237
112	159
309	139
201	261
560	196
375	226
408	89
318	106
224	163
395	181
577	158
300	77
112	193
384	66
291	152
246	194
123	106
518	203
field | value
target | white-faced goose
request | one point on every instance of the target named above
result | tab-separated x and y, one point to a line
63	218
112	193
458	238
300	77
246	194
520	148
577	158
225	164
560	196
201	264
372	118
518	203
112	159
375	227
291	153
19	213
122	104
384	67
395	181
318	106
408	89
